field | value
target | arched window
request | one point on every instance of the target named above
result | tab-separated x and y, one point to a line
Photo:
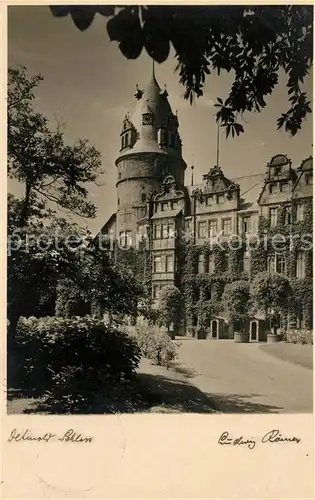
143	197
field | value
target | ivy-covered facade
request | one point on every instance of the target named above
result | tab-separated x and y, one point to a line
203	237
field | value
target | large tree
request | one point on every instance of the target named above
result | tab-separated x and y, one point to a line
38	157
271	294
236	300
53	174
256	43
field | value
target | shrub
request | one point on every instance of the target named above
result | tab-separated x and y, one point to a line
154	342
71	359
299	336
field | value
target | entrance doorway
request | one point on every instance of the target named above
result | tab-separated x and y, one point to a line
214	329
254	330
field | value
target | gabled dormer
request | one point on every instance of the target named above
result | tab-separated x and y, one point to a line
217	191
279	181
303	187
170	198
128	134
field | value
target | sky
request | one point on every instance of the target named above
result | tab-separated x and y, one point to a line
89	86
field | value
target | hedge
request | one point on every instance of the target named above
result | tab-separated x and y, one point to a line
69	360
299	336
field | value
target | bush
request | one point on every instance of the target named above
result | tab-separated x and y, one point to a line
154	342
69	360
299	336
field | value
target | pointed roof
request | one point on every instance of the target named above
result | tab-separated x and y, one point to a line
154	101
154	98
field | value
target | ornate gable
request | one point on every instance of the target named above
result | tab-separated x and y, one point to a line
169	190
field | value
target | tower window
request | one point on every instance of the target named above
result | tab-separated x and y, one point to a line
147	119
119	175
272	188
284	187
172	142
143	197
309	179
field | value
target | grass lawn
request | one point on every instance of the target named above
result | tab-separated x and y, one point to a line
295	353
154	389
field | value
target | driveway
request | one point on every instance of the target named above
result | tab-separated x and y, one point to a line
243	378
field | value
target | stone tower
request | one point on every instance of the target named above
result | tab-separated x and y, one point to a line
150	150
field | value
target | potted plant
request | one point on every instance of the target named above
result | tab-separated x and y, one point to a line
236	302
271	293
171	308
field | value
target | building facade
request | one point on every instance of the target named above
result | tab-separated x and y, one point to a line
200	237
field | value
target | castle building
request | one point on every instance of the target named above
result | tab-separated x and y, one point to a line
156	207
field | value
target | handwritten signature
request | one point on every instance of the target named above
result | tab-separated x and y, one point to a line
70	436
273	436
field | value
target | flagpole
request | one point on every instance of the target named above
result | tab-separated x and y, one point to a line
218	143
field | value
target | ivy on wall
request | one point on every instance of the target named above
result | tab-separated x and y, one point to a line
203	291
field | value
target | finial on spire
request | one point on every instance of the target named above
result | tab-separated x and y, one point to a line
192	175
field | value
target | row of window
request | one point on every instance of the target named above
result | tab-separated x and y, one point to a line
164	206
298	215
164	231
283	187
215	198
275	263
209	229
163	264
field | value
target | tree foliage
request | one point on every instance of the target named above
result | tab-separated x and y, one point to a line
100	284
256	43
171	305
38	157
271	292
236	300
